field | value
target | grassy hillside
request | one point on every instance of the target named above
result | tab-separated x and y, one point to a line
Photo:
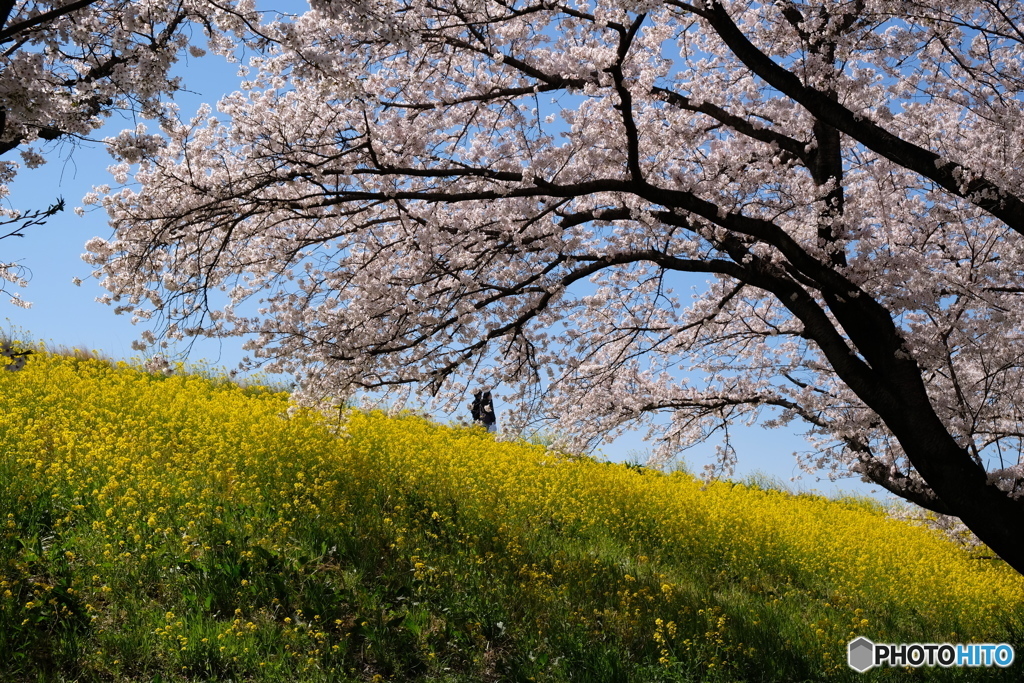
176	528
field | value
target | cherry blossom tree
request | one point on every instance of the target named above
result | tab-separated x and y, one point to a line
715	211
65	66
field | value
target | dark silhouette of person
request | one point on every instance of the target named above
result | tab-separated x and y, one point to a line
482	410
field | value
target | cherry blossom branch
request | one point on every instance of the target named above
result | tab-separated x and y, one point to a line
953	177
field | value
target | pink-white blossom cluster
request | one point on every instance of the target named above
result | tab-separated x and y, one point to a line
65	67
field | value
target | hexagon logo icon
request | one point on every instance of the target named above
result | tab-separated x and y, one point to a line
861	654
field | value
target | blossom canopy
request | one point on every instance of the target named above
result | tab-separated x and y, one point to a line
451	194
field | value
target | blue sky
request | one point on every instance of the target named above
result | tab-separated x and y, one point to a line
68	315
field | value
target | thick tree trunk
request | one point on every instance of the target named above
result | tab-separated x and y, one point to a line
959	482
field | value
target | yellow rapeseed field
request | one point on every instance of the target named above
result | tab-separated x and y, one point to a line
138	511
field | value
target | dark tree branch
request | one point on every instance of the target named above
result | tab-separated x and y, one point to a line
949	175
57	12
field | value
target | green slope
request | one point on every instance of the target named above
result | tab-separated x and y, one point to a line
179	528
